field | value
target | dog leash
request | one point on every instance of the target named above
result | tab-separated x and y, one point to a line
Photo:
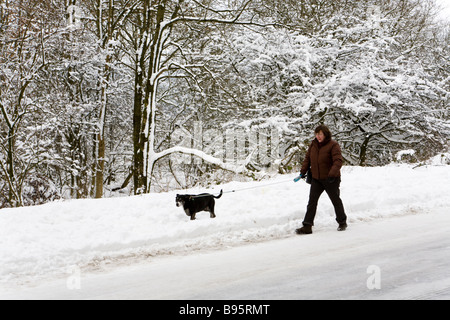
257	187
250	188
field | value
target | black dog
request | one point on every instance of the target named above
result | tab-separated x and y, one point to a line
196	203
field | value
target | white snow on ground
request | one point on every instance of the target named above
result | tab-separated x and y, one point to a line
395	211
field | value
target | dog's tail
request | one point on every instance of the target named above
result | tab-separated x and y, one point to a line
220	194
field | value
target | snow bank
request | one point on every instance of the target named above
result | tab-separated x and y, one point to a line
45	240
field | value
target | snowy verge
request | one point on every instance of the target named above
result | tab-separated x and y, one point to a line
45	240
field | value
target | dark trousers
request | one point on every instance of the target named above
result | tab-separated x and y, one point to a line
332	189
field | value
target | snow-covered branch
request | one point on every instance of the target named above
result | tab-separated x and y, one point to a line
202	155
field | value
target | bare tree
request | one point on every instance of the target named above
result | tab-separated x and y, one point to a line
25	28
155	35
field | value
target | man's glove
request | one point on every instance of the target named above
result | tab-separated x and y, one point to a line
301	176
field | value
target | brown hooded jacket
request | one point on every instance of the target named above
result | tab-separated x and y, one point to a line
325	160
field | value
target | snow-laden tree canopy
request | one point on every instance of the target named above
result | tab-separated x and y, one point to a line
103	95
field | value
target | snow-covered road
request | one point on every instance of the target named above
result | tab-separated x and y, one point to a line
144	247
407	257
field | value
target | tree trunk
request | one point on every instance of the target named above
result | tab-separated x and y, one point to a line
363	151
104	83
10	167
138	138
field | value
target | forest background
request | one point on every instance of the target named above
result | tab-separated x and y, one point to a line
120	97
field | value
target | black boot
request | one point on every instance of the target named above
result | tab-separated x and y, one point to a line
306	229
342	226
